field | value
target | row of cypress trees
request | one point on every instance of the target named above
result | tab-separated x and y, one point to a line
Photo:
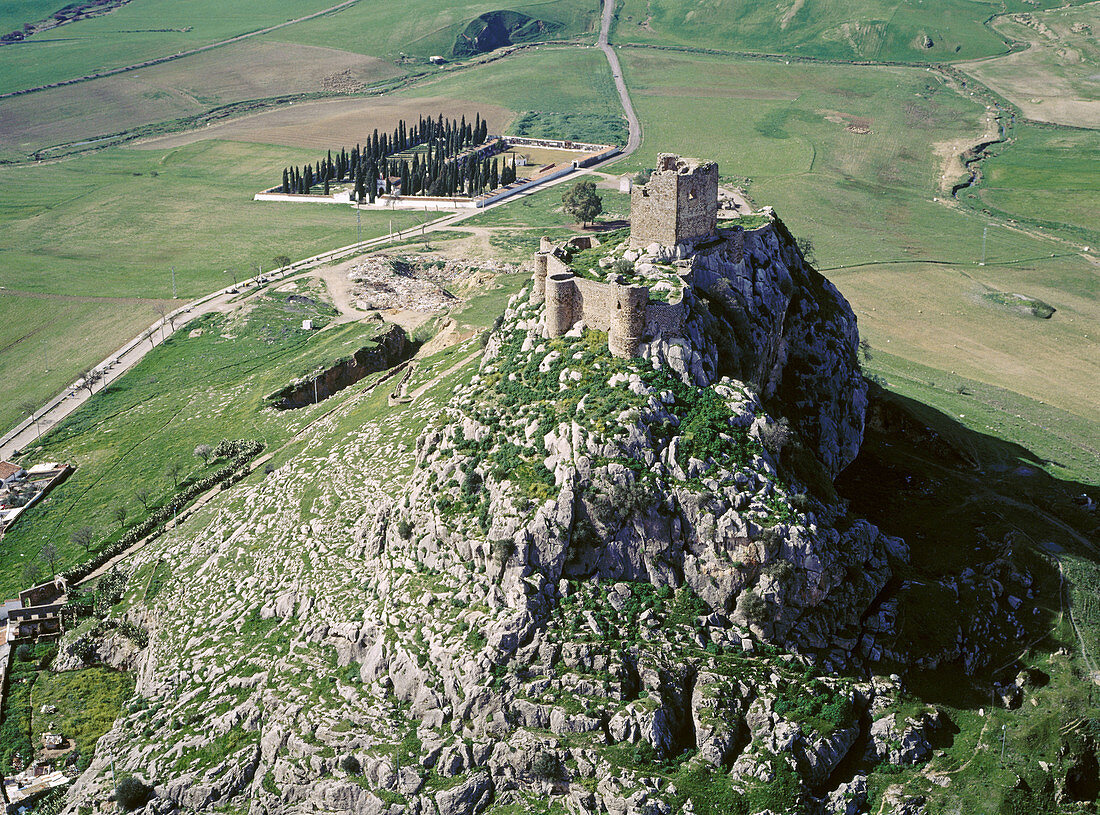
451	159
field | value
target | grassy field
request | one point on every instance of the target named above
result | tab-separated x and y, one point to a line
423	28
127	217
908	264
181	88
1047	177
188	391
895	30
549	80
88	701
333	123
1054	79
138	32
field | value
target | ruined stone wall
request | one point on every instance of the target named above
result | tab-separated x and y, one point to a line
653	211
679	204
560	290
597	302
697	203
628	320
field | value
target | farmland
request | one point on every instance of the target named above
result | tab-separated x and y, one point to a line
824	29
127	218
1055	78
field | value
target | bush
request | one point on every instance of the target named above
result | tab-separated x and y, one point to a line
404	529
502	550
24	653
546	765
132	793
350	764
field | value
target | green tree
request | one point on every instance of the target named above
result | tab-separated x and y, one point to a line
582	202
174	470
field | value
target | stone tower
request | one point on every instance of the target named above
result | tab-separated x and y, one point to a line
679	204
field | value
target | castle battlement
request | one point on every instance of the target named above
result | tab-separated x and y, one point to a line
678	205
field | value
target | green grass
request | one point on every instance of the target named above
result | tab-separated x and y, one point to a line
575	84
128	36
188	391
826	29
128	217
422	28
1047	177
88	702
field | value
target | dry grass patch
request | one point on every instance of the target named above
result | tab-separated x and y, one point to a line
333	123
937	316
184	87
1057	79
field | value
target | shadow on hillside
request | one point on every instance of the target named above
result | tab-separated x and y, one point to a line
965	500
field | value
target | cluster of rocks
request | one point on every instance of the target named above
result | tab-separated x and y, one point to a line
390	282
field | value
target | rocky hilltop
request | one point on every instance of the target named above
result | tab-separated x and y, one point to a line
617	585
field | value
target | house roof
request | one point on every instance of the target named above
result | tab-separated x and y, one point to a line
7	469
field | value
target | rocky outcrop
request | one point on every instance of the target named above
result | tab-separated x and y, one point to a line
385	350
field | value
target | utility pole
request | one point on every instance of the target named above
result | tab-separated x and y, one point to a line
985	231
358	225
45	358
315	400
173	282
1003	728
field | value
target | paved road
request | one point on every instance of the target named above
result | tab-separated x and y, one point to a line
635	138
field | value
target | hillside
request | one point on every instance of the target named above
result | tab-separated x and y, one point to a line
602	584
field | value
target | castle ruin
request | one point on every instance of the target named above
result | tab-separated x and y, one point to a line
679	203
676	209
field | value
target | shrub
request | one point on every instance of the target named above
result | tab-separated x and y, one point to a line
24	653
404	529
350	764
752	606
546	765
132	793
502	549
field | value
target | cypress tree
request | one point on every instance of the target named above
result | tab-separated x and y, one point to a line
286	182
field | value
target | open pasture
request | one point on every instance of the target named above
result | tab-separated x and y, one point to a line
412	31
186	87
137	32
888	30
114	224
571	85
333	123
1057	78
1045	176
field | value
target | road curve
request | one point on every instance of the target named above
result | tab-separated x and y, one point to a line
634	140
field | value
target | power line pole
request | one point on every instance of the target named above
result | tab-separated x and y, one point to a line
985	231
173	282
